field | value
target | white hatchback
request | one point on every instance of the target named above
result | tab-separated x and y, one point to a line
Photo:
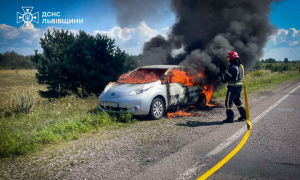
148	91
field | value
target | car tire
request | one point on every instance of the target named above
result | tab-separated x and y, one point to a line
201	101
157	109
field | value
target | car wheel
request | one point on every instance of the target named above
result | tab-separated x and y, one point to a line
157	109
201	101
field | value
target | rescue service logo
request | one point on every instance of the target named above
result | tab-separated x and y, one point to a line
27	17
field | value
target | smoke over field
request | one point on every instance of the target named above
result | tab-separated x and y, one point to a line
206	30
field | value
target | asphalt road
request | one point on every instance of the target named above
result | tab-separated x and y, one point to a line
271	152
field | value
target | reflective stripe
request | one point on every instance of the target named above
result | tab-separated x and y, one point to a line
240	106
235	84
229	108
229	74
228	99
237	73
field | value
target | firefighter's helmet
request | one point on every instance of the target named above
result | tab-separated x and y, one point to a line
232	55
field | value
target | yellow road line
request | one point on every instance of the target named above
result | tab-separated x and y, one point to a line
240	145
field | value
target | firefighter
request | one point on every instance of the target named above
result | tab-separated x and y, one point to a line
234	77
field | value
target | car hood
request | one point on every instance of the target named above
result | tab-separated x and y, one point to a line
123	87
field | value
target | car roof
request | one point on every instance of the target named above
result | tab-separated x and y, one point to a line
162	66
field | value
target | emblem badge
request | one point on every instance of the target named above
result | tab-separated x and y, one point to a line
27	17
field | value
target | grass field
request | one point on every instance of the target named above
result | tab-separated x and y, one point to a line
47	121
27	121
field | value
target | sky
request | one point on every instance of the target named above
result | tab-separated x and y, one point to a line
101	17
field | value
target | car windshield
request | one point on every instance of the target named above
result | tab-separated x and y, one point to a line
142	75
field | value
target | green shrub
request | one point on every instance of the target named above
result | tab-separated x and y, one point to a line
124	117
277	69
269	66
286	68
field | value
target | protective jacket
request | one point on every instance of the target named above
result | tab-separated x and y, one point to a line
234	75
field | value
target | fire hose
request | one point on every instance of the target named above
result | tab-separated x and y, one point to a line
240	145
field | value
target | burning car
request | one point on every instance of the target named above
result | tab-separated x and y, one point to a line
151	90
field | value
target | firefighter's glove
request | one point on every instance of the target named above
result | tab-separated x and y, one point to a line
223	78
219	79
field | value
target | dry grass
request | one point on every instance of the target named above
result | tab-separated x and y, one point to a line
12	82
29	121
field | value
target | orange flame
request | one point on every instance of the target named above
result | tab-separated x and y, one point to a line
182	113
208	90
178	76
141	76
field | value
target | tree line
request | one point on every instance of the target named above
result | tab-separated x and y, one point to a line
272	60
13	60
277	66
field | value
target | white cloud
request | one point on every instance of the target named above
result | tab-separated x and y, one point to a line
284	44
8	32
293	43
132	39
285	36
118	33
16	39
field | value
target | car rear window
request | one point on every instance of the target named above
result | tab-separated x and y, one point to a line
142	75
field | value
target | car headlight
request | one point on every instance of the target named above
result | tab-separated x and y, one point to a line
110	84
141	89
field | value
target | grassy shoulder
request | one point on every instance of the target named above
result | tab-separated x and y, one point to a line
260	80
23	134
28	122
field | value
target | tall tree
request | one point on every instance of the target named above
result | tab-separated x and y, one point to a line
270	60
286	60
57	52
82	63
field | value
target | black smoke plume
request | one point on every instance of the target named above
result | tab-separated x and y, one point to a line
206	30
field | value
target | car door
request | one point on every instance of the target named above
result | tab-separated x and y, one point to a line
192	92
176	92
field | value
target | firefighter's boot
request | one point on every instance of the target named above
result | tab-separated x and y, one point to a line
242	113
230	116
241	119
